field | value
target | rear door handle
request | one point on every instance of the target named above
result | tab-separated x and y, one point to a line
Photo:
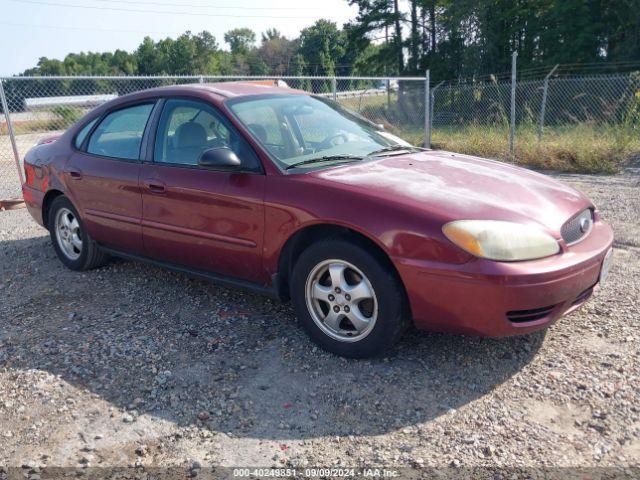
155	186
75	174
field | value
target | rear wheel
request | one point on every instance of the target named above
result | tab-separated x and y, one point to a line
347	300
73	245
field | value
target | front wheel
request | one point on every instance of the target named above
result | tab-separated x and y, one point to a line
73	245
347	300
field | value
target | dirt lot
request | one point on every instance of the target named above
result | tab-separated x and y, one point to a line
131	365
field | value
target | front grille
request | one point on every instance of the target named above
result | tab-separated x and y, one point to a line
521	316
578	227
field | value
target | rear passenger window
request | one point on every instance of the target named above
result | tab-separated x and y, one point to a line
84	132
119	135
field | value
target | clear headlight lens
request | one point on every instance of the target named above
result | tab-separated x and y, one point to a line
499	240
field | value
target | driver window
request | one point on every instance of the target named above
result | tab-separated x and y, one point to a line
187	128
264	124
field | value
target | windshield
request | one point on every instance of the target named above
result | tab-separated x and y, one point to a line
298	129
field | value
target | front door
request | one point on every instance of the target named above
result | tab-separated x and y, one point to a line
198	217
102	178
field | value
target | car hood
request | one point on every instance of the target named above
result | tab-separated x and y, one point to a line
451	186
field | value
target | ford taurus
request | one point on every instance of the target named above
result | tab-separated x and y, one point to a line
288	194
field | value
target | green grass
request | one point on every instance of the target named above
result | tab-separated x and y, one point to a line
580	148
368	104
36	126
584	148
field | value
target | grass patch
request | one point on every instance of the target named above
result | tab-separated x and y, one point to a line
57	118
580	148
35	126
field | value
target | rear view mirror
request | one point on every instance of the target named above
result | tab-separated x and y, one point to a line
221	158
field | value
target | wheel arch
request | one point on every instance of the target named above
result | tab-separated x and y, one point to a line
48	199
302	238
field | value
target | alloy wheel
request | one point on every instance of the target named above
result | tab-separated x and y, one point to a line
68	233
341	300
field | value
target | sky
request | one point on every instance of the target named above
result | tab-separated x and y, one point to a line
52	28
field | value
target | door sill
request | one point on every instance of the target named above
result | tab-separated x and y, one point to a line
222	280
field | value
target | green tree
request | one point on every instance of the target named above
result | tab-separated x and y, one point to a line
240	40
277	52
271	34
322	46
382	16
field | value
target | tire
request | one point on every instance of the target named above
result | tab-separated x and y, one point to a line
357	328
73	245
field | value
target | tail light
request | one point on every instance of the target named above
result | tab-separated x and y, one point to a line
29	174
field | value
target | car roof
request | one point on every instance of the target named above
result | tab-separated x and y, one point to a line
230	89
237	89
217	92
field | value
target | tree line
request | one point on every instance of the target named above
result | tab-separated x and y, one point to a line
467	38
321	49
453	38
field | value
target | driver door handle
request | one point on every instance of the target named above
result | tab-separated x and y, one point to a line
155	186
75	174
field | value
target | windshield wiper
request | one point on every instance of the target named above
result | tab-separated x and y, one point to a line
326	158
394	148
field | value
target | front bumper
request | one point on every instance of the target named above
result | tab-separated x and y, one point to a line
495	299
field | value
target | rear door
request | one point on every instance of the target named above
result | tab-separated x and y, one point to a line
202	218
102	177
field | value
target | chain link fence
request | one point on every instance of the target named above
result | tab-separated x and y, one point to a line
556	118
567	122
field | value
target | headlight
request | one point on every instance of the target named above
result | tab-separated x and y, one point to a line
499	240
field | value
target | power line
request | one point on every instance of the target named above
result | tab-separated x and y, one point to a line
90	29
167	4
167	12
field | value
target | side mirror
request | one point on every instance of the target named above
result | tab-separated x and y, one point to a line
221	158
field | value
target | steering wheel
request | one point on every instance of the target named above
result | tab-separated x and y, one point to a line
217	143
330	141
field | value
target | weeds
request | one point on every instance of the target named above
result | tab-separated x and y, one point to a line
582	148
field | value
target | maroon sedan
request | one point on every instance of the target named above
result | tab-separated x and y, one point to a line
291	195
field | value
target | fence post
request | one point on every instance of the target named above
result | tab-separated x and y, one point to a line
543	107
512	129
334	89
12	137
201	79
427	110
432	103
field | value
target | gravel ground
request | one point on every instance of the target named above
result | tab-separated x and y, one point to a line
132	365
